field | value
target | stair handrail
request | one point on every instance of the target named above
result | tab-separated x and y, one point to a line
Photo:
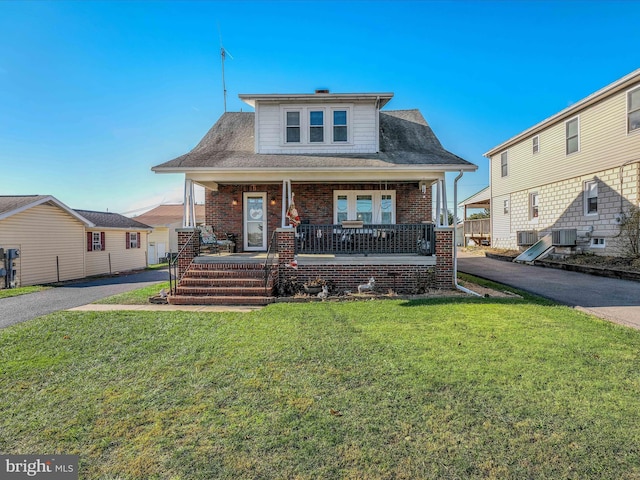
267	264
173	279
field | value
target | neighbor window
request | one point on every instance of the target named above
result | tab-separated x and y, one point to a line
536	144
133	240
316	126
591	197
368	206
572	135
633	109
95	241
339	125
533	202
293	127
504	165
506	207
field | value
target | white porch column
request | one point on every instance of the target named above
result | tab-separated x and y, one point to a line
189	213
438	204
445	215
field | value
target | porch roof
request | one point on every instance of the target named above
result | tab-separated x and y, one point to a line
408	146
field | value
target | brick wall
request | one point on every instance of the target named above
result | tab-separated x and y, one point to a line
191	250
314	203
561	206
444	258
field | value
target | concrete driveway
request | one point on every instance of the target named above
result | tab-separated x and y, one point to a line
608	298
25	307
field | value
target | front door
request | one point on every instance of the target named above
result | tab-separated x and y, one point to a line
255	221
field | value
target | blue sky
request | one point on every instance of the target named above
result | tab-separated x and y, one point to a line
93	94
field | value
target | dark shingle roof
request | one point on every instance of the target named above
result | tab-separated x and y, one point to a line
8	203
405	139
112	220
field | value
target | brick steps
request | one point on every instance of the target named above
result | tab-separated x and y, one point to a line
224	284
219	300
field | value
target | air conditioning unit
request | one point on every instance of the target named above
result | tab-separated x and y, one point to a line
527	237
564	238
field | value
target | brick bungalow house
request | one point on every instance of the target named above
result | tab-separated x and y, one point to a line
364	181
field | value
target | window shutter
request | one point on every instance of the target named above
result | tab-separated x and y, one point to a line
138	239
103	245
128	242
89	241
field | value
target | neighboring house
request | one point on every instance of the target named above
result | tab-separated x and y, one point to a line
114	243
345	160
477	231
165	219
49	236
575	175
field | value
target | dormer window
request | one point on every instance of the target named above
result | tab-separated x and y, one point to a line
339	125
316	126
293	127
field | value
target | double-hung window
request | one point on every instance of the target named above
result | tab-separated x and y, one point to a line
633	109
533	206
95	241
591	197
536	144
340	126
368	206
133	240
293	127
316	126
573	135
504	164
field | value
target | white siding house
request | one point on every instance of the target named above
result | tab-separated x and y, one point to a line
577	171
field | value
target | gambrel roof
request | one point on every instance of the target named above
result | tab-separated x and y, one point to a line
405	140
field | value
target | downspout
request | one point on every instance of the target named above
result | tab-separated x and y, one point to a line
455	244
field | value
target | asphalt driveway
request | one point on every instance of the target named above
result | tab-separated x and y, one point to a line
25	307
609	298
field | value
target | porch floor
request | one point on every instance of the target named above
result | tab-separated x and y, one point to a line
327	259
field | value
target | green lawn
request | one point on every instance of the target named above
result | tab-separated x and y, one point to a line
14	292
454	389
136	297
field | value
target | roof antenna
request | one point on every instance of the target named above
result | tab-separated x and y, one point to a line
223	55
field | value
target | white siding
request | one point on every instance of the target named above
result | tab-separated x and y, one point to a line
362	124
501	235
116	257
50	241
604	143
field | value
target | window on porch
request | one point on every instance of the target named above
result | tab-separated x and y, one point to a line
368	206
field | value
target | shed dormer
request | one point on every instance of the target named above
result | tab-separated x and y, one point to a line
318	123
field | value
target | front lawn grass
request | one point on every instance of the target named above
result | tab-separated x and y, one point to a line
454	389
14	292
136	297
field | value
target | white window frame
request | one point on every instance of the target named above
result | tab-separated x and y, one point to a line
534	205
96	245
535	144
376	198
598	242
333	125
305	124
587	190
629	111
287	126
566	135
321	126
504	164
133	240
506	206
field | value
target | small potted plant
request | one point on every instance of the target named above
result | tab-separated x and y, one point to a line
314	287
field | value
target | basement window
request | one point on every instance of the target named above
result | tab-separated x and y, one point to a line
598	243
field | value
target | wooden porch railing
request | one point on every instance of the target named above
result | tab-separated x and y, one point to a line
355	237
480	227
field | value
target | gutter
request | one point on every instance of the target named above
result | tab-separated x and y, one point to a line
455	246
